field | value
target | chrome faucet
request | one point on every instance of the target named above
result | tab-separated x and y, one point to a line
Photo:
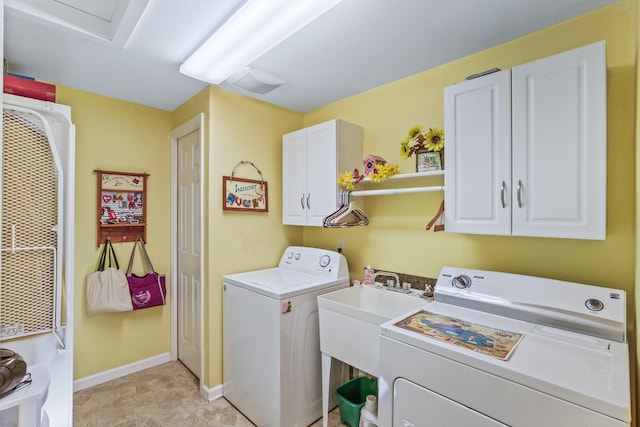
388	274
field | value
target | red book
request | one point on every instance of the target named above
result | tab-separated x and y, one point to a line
29	88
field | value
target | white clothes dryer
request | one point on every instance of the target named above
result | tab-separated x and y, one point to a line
498	349
271	346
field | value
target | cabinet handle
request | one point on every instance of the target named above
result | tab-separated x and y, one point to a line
308	205
520	194
502	188
302	201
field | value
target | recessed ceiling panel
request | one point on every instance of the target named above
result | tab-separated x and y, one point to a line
110	21
103	9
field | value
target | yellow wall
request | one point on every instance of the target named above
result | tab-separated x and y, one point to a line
121	136
238	128
395	239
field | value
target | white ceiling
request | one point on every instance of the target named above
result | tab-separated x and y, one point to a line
354	47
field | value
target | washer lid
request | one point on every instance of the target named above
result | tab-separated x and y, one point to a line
279	282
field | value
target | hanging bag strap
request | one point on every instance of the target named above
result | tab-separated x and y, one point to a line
112	252
146	256
147	260
103	257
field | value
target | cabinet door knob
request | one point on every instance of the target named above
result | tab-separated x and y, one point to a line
519	194
302	201
308	204
502	189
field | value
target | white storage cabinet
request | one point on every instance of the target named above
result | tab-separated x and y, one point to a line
526	149
312	158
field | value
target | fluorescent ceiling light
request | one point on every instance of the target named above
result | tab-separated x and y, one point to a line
256	28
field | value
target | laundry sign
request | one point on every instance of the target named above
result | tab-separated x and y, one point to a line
241	194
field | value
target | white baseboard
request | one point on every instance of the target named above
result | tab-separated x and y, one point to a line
211	393
121	371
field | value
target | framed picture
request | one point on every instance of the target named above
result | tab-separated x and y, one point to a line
241	194
428	161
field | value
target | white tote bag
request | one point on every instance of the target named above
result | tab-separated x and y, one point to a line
108	290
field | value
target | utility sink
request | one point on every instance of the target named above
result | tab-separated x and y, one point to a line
369	304
350	322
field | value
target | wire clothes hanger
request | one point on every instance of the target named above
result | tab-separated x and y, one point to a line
348	215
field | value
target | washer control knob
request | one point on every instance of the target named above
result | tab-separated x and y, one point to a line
325	260
290	255
461	282
594	304
297	257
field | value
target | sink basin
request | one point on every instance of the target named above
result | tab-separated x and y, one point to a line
369	304
350	322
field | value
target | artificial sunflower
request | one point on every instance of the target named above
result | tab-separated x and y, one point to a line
415	133
413	142
435	139
405	150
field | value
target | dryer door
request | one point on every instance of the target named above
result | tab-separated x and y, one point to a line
415	406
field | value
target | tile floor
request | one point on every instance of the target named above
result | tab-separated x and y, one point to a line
165	395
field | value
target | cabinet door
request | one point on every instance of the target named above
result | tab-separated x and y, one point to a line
478	155
294	178
321	172
559	145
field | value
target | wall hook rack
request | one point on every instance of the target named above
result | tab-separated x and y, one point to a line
121	206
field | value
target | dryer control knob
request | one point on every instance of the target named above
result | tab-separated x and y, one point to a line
594	304
290	255
325	260
297	257
461	282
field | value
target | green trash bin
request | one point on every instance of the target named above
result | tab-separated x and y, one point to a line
352	397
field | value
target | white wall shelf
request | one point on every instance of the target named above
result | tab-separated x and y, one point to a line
405	190
348	209
401	176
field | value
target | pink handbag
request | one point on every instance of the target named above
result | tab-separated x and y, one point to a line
148	290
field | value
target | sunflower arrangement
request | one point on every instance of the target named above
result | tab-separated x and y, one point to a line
417	140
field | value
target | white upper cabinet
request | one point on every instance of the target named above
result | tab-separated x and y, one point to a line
560	145
478	155
294	177
312	158
526	149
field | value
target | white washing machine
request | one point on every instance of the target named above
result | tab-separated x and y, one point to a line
498	349
271	345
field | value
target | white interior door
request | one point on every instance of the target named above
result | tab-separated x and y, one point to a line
189	234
